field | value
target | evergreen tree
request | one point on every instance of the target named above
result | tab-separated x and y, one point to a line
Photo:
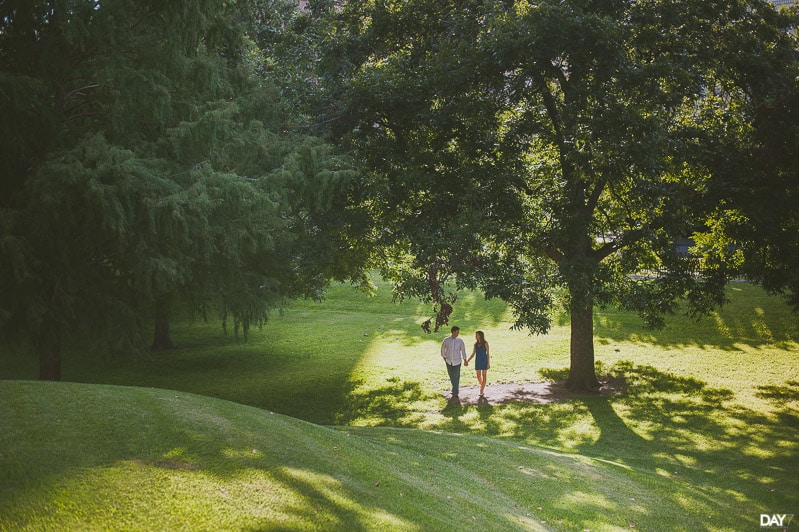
147	159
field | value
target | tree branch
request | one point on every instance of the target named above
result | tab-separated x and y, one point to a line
594	197
626	239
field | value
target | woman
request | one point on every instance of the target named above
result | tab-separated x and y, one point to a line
483	359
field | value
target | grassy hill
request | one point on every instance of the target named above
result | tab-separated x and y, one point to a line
98	457
332	417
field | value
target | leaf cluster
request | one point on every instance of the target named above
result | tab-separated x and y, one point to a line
148	156
527	148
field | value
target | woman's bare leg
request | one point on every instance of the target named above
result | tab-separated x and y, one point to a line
481	378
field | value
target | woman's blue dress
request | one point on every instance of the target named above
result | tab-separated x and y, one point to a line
480	357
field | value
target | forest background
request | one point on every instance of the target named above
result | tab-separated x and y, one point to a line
230	156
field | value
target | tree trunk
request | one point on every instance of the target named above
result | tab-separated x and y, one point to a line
161	337
582	374
50	361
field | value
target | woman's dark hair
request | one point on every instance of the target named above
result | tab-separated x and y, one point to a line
481	338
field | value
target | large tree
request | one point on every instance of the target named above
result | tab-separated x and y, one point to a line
147	157
756	224
551	150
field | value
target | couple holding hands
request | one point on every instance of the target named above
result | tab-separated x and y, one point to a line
453	351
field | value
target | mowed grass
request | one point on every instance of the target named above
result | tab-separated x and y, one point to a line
704	438
98	457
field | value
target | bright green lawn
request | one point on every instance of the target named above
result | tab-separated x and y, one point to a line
91	457
704	439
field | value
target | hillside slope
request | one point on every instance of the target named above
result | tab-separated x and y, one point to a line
96	457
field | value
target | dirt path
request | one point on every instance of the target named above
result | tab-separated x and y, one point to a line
531	392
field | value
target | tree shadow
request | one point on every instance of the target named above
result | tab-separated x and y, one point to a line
612	428
751	318
780	394
662	424
279	374
675	425
165	436
389	405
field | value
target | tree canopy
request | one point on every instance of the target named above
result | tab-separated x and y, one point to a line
557	151
148	155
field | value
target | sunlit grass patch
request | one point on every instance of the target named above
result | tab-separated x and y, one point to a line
702	429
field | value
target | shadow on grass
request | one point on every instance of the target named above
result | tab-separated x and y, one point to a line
780	394
453	411
663	424
387	406
750	318
299	379
106	443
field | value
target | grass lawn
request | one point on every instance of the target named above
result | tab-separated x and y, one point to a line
114	458
704	438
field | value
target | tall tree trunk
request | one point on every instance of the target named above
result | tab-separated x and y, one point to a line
161	337
50	361
582	374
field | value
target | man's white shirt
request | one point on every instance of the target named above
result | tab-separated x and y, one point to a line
453	350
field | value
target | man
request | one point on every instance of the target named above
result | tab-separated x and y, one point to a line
453	351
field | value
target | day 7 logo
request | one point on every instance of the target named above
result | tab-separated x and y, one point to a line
775	520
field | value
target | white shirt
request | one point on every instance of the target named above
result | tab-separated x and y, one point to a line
453	350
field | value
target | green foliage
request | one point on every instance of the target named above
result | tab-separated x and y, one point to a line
526	147
757	211
147	160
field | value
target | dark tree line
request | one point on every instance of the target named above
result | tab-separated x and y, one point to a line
157	154
151	157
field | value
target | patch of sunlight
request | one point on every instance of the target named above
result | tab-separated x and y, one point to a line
723	329
176	452
242	453
760	452
508	427
583	432
614	463
528	522
668	473
684	460
592	499
737	495
380	358
168	496
535	473
332	491
760	326
702	442
432	421
367	421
